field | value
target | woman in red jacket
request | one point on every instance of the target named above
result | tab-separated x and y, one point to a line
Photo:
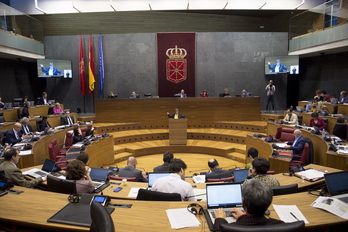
316	121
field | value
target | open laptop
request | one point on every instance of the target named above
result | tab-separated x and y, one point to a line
222	195
240	175
337	185
98	176
153	176
47	167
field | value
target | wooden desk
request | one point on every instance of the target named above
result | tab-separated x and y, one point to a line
11	114
342	109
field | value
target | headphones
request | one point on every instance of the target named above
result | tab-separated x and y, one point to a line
193	210
317	192
74	198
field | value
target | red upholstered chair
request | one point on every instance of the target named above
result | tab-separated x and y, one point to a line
68	143
221	179
83	131
270	172
304	158
285	134
131	179
55	155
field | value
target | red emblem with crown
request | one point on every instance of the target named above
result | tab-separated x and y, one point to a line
176	64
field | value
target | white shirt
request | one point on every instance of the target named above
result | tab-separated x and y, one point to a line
174	184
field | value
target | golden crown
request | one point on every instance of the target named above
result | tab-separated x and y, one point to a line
176	53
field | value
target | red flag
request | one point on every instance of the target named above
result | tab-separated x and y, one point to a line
82	70
91	66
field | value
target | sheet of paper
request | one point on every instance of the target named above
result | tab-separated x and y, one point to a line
281	144
311	174
332	205
30	171
289	213
181	218
201	194
27	152
133	192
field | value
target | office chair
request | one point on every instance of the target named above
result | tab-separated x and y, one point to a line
285	134
50	111
286	189
270	172
101	219
340	130
3	140
230	179
67	143
147	95
300	119
148	195
38	125
16	102
297	226
2	118
58	185
120	178
55	155
304	158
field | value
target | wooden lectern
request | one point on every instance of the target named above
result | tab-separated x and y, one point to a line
177	131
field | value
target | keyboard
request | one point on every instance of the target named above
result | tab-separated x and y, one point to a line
41	173
227	212
344	199
102	187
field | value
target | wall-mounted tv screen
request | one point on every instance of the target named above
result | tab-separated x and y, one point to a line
47	68
282	64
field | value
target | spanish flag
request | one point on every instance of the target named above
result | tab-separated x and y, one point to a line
91	66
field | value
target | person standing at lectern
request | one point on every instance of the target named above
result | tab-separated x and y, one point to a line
176	115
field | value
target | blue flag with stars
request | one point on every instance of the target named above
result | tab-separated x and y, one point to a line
101	66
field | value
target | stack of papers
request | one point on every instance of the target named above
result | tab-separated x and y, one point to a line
181	218
289	213
332	205
310	175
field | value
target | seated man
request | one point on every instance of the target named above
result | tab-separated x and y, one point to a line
14	136
164	168
89	130
175	182
67	119
25	110
215	171
297	145
259	171
257	197
252	154
13	173
312	107
26	127
343	97
290	118
130	171
176	115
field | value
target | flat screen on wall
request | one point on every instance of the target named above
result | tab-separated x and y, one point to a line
47	68
282	64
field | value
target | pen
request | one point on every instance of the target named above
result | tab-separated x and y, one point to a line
294	216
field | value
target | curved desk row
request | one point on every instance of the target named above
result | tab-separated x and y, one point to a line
342	108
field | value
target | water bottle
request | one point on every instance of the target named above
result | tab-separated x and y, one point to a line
323	132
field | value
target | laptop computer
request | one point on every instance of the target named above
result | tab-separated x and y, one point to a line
240	175
222	195
98	176
153	176
337	185
47	167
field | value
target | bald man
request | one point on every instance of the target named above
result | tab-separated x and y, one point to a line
14	136
297	145
131	171
215	171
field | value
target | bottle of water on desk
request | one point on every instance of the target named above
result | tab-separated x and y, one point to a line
323	132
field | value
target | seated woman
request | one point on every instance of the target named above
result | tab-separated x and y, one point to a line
316	121
204	93
77	135
44	124
57	109
318	96
259	171
111	95
89	130
245	94
76	171
24	100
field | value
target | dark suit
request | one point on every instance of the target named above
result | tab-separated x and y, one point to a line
164	168
180	115
89	133
77	138
42	101
218	173
129	171
11	137
25	112
64	120
248	220
29	127
43	125
298	147
343	99
15	175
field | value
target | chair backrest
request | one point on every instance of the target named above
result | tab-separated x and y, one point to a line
53	150
147	95
297	226
148	195
340	130
83	131
221	179
58	185
38	127
50	110
300	119
3	140
68	139
286	189
17	102
2	118
101	219
62	120
326	120
131	179
304	154
285	134
270	172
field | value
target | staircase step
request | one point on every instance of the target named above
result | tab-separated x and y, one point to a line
237	156
121	156
119	149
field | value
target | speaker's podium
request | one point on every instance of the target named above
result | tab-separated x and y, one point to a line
177	131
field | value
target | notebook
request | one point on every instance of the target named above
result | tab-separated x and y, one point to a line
154	176
47	167
98	176
337	185
222	195
240	175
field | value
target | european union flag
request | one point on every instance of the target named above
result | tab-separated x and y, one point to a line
101	66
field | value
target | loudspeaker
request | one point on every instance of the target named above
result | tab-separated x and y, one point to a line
193	210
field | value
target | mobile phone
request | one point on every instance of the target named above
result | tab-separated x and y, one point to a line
118	189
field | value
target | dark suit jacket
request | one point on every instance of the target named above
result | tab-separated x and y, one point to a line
43	125
77	138
25	112
29	127
89	132
64	120
218	173
180	115
248	220
129	171
343	99
164	168
42	102
299	146
11	137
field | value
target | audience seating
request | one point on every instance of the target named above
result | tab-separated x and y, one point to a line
285	134
50	111
16	102
58	185
55	155
304	158
221	179
131	179
340	130
67	143
286	189
297	226
148	195
101	219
